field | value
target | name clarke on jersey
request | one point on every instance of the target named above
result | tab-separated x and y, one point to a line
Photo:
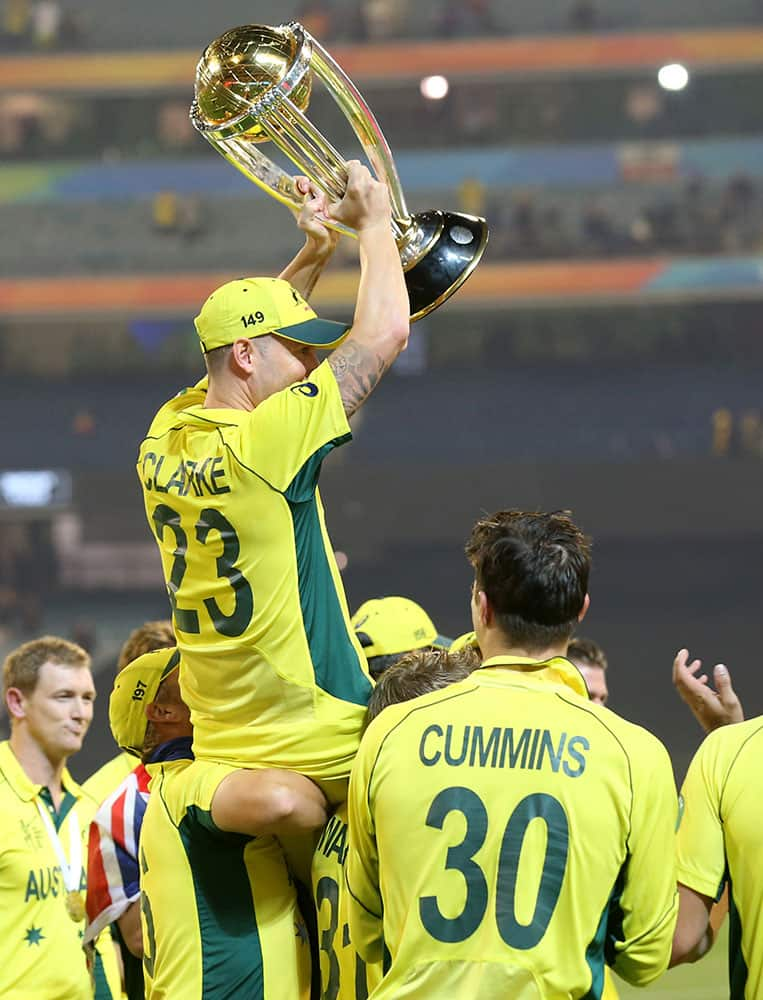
205	477
528	749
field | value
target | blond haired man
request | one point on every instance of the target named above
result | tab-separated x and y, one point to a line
44	817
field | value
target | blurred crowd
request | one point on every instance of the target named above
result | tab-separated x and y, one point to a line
28	25
51	24
697	218
39	25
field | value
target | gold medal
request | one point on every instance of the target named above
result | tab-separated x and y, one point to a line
75	906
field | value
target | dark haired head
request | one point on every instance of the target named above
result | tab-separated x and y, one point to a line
533	568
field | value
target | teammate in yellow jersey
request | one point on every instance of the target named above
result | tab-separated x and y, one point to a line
591	661
719	838
44	820
220	914
150	635
272	671
537	827
344	974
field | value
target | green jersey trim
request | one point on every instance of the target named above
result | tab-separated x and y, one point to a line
594	955
738	971
231	952
335	660
102	988
68	802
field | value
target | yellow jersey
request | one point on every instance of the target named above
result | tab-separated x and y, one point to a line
344	974
720	840
508	838
40	946
219	910
609	991
98	787
109	777
271	668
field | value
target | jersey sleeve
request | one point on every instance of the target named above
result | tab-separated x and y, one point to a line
700	851
644	910
364	902
288	435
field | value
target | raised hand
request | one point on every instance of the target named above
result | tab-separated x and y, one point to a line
711	708
312	218
365	204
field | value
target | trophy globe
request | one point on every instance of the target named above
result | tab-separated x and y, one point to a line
253	86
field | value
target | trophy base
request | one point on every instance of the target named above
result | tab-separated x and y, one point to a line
451	247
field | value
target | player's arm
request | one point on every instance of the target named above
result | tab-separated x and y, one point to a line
710	708
363	894
272	801
381	322
694	933
303	271
642	920
130	929
701	857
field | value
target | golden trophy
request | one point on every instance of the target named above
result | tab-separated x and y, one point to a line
253	85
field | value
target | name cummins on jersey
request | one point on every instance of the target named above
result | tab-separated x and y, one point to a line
508	838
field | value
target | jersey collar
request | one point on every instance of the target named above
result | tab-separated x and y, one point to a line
557	671
200	416
22	784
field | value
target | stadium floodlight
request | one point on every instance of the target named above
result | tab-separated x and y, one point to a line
434	88
674	76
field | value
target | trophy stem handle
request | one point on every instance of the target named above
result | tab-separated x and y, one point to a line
365	126
297	137
268	176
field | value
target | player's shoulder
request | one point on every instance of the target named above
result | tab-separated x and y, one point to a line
102	782
166	417
728	743
637	743
300	400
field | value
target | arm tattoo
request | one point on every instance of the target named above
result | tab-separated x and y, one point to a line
357	369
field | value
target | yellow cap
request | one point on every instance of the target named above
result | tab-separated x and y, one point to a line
462	641
255	307
134	688
395	625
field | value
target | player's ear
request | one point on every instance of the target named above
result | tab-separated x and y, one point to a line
156	712
14	701
484	608
167	711
584	609
243	356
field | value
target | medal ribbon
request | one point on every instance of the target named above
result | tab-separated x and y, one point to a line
71	870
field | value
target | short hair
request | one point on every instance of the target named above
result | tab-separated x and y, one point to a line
217	359
587	651
417	673
146	638
533	569
22	665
